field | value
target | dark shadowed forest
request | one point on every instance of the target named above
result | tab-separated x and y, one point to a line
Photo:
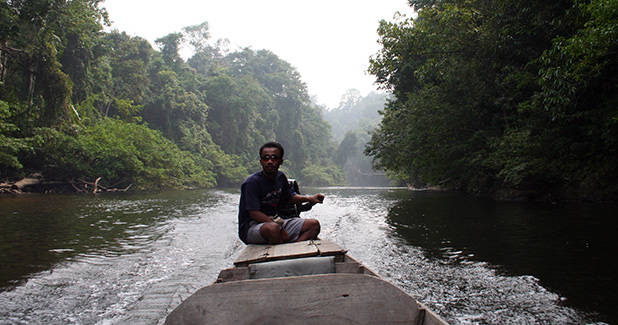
510	98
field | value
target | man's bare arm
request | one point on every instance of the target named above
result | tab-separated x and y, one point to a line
317	198
259	216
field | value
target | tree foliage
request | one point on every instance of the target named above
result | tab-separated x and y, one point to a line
78	102
120	153
355	112
352	121
503	95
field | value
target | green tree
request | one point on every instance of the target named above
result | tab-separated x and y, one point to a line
46	44
170	49
488	95
10	146
347	148
257	97
76	101
121	153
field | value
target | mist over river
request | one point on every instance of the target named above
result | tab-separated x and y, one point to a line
132	258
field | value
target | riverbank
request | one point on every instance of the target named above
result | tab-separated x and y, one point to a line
546	194
36	183
541	195
555	196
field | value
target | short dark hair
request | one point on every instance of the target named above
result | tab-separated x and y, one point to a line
272	144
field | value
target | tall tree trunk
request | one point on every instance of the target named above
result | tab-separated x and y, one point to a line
107	108
31	88
3	62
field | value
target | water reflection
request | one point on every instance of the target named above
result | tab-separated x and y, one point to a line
111	258
128	259
39	231
569	247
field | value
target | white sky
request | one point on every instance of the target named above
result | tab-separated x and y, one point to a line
328	41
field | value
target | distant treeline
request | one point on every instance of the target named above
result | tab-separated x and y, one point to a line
79	103
353	121
510	97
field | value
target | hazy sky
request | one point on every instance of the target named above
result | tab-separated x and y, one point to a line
328	41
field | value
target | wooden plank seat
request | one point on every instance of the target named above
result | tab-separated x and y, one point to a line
315	299
263	253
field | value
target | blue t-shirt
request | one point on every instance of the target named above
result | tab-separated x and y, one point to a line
258	192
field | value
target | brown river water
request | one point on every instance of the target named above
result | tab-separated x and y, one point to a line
131	258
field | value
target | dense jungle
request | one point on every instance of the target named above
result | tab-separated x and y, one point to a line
515	99
508	98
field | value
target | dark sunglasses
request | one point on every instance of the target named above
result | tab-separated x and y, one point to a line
269	157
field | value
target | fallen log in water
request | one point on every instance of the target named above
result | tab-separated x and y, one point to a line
37	184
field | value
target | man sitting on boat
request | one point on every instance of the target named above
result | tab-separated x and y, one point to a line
263	194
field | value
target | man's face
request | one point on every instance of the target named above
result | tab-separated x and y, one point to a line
270	159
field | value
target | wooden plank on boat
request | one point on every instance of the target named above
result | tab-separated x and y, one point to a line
329	248
344	267
233	274
252	253
293	250
262	253
316	299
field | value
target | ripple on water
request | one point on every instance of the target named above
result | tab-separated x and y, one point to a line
461	290
471	293
163	255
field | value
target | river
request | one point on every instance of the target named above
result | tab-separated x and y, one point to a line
132	258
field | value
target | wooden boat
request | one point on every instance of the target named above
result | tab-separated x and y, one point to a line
310	282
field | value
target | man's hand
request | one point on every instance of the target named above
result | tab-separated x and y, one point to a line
278	220
318	198
313	199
